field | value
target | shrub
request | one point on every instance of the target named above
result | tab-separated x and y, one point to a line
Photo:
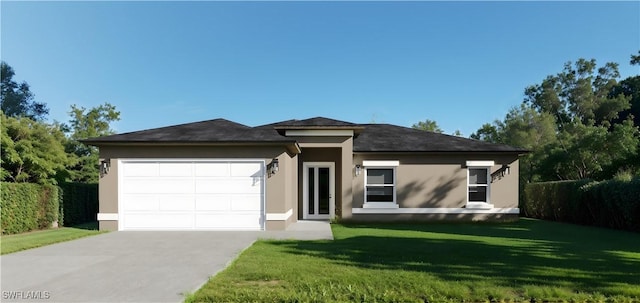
613	203
79	203
25	206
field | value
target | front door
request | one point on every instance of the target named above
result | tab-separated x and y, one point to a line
318	195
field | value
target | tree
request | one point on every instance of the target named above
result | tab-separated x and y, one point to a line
87	123
32	151
524	127
17	99
635	59
579	93
630	87
576	124
457	133
428	125
583	151
489	132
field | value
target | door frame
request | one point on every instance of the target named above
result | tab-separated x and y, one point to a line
305	190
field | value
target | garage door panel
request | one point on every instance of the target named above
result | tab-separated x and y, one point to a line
188	195
246	170
246	202
140	202
249	220
158	186
212	169
159	221
176	202
176	170
213	202
141	170
229	186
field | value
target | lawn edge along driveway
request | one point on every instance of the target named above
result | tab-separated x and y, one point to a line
34	239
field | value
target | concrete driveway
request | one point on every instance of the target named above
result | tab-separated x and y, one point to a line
128	266
120	267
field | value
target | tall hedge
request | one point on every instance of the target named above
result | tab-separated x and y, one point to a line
79	203
25	206
612	203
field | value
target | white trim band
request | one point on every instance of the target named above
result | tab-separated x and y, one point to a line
279	216
375	163
107	217
480	163
385	205
434	210
320	132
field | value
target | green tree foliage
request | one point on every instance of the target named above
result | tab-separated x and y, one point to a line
583	151
428	125
489	132
580	93
17	99
635	59
577	124
87	123
527	128
32	151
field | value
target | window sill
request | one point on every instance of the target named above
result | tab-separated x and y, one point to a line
380	205
479	205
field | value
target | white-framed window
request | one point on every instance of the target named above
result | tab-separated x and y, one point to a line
380	184
479	184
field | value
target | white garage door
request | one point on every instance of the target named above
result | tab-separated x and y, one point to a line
191	195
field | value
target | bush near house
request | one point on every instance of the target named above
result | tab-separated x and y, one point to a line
611	203
79	203
25	206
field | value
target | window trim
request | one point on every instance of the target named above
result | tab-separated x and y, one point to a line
487	165
374	204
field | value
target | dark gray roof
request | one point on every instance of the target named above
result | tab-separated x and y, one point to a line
317	122
393	138
368	138
217	130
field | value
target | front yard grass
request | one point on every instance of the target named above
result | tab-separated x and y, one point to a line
528	260
18	242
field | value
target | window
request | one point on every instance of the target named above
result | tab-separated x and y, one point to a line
380	185
478	185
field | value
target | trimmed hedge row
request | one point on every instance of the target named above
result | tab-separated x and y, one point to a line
79	203
25	206
611	203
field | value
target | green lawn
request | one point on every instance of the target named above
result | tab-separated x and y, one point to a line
13	243
438	262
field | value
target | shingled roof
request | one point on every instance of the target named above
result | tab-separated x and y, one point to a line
211	131
393	138
368	137
317	122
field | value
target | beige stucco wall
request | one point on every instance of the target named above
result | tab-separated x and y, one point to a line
280	194
440	180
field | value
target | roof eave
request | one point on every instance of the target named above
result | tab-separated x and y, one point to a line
519	152
292	146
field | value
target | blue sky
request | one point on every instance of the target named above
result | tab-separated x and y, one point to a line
163	63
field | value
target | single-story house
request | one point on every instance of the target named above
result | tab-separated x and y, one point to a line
222	175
